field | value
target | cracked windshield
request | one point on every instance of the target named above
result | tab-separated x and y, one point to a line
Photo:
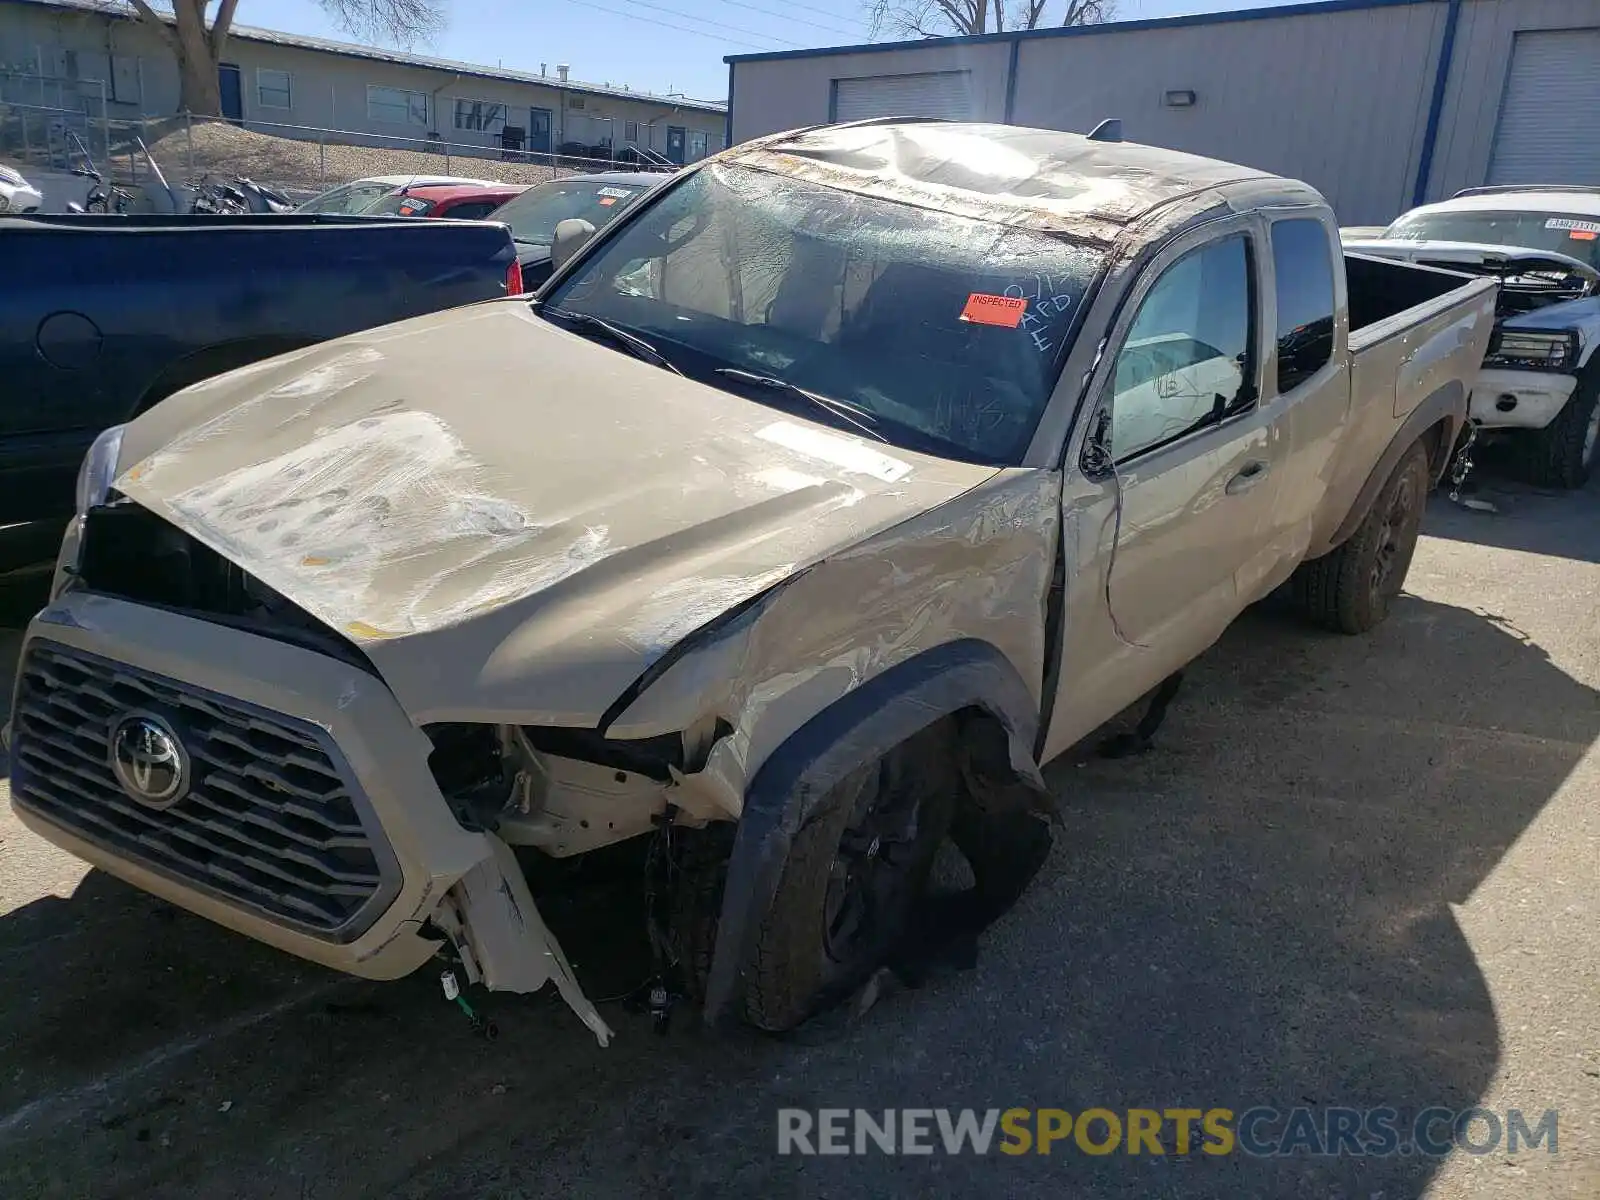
939	332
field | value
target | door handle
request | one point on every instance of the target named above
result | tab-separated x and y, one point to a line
1249	475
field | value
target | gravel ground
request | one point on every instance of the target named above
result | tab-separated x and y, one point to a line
1354	872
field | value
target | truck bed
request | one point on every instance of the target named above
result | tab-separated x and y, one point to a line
1414	331
101	316
1382	290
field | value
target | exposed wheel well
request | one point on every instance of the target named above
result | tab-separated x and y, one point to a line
1439	443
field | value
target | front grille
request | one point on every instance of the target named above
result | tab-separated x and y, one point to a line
270	821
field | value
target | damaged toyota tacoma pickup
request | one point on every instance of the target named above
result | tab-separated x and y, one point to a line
813	505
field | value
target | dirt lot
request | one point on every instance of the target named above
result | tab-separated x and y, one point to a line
1354	872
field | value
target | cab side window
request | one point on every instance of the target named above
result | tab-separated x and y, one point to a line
1302	264
1187	361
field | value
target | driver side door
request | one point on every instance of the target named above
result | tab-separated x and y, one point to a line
1171	498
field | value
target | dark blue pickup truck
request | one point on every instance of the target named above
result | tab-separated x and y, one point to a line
102	316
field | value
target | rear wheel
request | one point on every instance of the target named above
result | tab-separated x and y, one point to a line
1351	588
1565	452
853	873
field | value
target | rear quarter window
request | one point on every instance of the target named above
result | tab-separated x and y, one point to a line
1302	264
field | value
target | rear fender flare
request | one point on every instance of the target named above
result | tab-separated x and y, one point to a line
859	727
1447	406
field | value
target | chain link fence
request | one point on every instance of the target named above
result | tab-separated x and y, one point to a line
307	159
39	114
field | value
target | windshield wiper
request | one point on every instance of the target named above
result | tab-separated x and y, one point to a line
529	242
630	342
849	413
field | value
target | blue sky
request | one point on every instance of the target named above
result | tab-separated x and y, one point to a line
630	42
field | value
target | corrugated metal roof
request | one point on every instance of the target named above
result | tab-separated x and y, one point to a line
250	33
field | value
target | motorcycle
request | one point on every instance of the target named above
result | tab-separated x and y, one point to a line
103	197
237	195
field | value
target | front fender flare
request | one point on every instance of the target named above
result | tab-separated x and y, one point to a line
857	728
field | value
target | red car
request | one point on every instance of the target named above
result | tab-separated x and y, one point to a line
461	202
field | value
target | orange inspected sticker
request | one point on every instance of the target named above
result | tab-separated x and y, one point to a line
1004	311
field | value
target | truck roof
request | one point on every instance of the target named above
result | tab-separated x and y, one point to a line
1042	178
1585	201
439	192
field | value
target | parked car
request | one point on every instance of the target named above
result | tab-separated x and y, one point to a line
846	479
1540	386
362	194
597	199
100	317
17	195
461	203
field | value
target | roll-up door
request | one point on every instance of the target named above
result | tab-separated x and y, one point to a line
946	94
1546	129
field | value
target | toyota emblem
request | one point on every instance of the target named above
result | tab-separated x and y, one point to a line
149	761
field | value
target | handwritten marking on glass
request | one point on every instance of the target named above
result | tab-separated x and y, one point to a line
1046	302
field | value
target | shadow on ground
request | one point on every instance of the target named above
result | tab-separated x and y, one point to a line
1257	913
1535	520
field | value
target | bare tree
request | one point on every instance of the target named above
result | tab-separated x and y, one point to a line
957	18
199	45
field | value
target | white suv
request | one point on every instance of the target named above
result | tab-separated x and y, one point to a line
1541	377
17	195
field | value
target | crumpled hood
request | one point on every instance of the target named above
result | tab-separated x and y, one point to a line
1582	315
511	521
1481	253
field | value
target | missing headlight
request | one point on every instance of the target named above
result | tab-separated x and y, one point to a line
488	772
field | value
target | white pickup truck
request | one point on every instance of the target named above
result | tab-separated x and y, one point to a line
1540	384
845	480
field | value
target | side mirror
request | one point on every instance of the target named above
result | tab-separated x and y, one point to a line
570	237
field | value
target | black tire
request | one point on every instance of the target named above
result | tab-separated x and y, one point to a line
1565	452
854	871
701	872
1351	588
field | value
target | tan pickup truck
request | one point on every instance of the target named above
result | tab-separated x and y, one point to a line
812	506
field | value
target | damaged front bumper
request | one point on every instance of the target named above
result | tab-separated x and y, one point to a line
265	732
1511	399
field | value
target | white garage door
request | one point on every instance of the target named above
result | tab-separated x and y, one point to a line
945	94
1546	131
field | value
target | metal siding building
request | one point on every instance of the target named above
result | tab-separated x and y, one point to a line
1378	103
